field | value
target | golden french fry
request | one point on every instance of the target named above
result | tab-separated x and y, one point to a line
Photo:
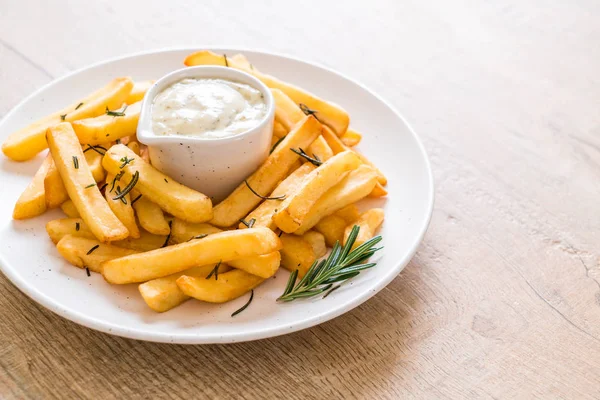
139	91
320	150
59	228
183	231
56	193
369	222
294	209
263	214
334	225
108	128
239	203
69	209
297	253
279	130
264	265
287	112
355	186
229	286
150	216
223	246
32	201
163	294
90	253
135	147
94	161
25	143
122	207
351	138
350	213
317	242
378	191
173	197
81	187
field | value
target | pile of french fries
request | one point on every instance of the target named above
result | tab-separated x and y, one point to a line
133	224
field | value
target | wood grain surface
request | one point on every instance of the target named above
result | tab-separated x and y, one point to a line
502	299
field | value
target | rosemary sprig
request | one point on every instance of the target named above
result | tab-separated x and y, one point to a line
276	144
308	111
87	271
245	305
123	199
201	236
248	224
313	160
75	162
226	62
90	185
215	272
115	179
282	197
90	251
341	265
103	187
116	113
166	243
78	105
125	161
130	185
98	149
136	199
63	116
77	226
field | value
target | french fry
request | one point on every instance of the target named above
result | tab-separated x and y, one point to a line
122	208
297	253
279	130
351	138
90	253
229	286
163	294
334	225
69	209
223	246
94	161
54	188
294	209
317	242
287	112
79	182
378	191
239	203
320	150
355	186
32	201
369	222
264	265
263	214
138	92
173	197
183	231
108	128
135	147
150	216
25	143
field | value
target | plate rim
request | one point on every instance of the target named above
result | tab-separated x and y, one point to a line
242	336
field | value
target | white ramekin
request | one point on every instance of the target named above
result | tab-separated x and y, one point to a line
212	166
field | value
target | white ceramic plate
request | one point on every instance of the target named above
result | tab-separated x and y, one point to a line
28	257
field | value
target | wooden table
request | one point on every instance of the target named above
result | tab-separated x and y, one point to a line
503	298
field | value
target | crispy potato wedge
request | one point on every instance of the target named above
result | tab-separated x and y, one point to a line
229	286
150	216
138	92
173	197
163	294
355	186
223	246
94	161
239	203
90	253
77	177
263	214
69	209
32	201
108	128
122	207
279	130
54	188
317	242
25	143
320	150
59	228
294	209
351	138
183	231
369	222
264	265
332	227
297	253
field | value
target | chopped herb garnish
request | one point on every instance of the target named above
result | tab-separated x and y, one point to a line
245	305
315	161
63	116
130	185
263	197
90	185
166	243
280	233
308	111
92	249
215	272
331	290
125	161
341	265
116	113
103	187
199	237
166	180
78	105
123	199
77	226
226	62
248	224
136	199
115	179
98	149
87	271
75	162
276	144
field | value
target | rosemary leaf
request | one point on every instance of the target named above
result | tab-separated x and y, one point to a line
245	305
282	197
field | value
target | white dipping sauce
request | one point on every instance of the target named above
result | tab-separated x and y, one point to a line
207	108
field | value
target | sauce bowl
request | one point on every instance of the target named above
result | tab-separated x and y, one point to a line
213	166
